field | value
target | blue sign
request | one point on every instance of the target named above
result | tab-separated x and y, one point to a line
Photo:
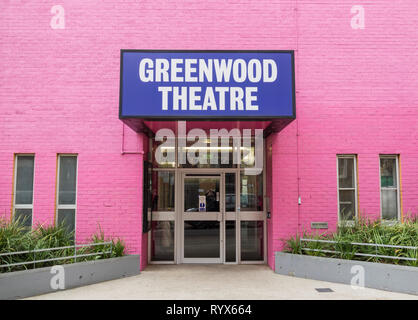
207	84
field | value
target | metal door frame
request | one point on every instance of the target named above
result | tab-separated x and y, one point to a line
213	216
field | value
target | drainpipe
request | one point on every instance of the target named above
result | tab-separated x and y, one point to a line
298	176
297	119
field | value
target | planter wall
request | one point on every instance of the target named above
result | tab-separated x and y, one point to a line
21	284
381	276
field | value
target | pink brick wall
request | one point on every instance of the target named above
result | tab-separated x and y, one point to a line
356	93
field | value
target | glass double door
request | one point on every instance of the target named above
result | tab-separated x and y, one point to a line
206	235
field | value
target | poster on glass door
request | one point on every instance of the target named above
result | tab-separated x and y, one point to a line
202	203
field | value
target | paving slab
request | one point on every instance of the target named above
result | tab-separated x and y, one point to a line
235	282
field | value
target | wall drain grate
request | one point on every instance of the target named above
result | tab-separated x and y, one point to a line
324	290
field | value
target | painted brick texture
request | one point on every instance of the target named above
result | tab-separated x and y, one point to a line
356	93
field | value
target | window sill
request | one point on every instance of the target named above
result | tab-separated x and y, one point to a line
348	223
390	222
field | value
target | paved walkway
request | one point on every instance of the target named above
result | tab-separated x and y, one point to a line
217	282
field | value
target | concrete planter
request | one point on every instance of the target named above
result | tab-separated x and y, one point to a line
21	284
381	276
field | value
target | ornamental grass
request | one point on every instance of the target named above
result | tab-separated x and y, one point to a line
16	237
365	232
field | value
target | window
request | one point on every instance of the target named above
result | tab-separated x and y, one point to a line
23	189
67	191
389	190
162	240
252	240
163	190
251	198
347	187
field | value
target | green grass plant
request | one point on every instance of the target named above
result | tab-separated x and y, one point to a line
15	237
363	231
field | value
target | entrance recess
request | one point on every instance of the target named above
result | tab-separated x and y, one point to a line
206	214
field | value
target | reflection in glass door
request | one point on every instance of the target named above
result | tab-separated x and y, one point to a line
202	218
